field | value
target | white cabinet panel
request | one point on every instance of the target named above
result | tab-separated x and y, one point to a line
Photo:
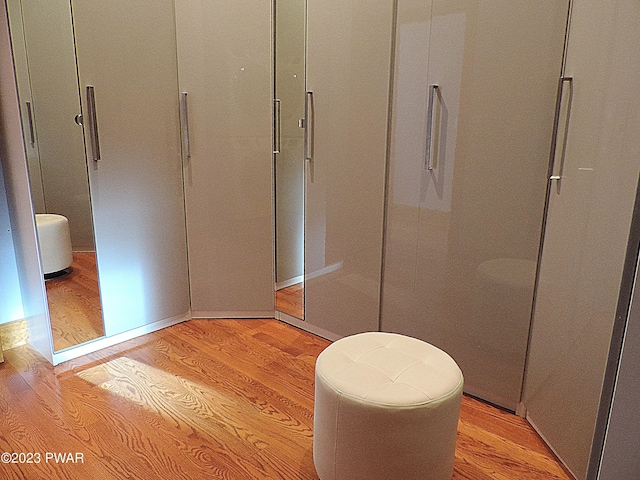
463	226
127	51
587	228
224	60
348	64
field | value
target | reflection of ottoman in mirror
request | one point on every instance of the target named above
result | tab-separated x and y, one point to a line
386	407
54	241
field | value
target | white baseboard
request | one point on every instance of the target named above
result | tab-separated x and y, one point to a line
290	282
100	343
323	271
307	327
217	314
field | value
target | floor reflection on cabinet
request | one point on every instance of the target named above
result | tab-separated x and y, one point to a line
74	303
290	300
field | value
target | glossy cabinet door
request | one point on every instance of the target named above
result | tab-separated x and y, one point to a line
590	211
348	63
127	52
224	58
472	120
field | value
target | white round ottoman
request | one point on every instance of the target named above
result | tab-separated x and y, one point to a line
386	407
54	240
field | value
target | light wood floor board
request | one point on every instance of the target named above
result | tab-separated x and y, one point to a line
74	303
290	300
14	334
221	399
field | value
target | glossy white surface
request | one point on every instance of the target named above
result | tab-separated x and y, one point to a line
587	229
127	51
224	60
462	239
348	63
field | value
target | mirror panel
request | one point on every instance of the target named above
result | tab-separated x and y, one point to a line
44	54
289	58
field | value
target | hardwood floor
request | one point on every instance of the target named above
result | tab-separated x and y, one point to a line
74	303
290	300
226	399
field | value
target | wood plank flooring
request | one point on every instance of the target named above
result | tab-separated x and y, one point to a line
290	300
222	399
74	303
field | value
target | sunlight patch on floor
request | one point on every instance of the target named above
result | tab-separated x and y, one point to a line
181	402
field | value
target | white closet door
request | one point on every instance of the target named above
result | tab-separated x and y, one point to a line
127	52
464	215
589	216
224	56
348	62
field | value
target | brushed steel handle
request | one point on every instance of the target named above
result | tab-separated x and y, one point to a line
276	126
93	123
428	161
32	135
309	127
555	143
186	140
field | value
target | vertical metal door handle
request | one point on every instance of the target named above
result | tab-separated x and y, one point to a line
428	161
32	136
556	129
93	123
186	141
309	126
276	126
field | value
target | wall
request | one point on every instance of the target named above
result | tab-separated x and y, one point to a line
10	296
14	164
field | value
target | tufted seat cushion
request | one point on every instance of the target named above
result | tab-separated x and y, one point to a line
386	407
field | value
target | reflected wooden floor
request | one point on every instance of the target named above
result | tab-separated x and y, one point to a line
74	303
290	300
226	399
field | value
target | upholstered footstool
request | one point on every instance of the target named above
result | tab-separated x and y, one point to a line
386	407
54	240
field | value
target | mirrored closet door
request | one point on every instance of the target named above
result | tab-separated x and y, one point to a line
288	153
45	60
346	109
98	87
